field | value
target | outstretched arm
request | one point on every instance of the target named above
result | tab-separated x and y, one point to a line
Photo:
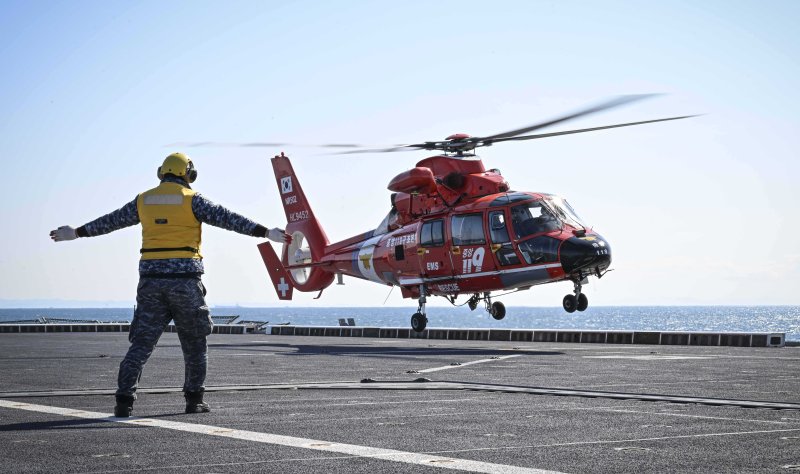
214	214
125	216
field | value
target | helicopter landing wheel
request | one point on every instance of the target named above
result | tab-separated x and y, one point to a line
570	303
498	310
418	322
583	302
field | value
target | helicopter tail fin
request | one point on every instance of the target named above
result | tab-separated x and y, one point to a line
308	237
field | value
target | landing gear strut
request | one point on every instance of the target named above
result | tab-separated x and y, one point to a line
419	320
496	309
578	301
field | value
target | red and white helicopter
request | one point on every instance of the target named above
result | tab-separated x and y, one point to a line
454	228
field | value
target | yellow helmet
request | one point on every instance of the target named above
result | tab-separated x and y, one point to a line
179	165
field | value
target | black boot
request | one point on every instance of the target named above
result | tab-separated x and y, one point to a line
195	403
124	406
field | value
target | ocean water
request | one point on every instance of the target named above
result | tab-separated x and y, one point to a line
784	319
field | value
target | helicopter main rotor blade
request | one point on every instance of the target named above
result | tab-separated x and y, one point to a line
434	145
616	102
223	144
382	150
582	130
459	143
260	145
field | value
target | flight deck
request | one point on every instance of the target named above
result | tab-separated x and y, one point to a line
290	403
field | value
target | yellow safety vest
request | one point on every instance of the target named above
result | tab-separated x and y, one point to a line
169	227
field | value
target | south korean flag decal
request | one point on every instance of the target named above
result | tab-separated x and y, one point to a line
286	185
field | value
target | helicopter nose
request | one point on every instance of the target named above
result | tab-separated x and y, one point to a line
585	253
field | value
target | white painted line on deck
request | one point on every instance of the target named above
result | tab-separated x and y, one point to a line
616	441
686	415
668	438
436	369
289	441
649	357
448	400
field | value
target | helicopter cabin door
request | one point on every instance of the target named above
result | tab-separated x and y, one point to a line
471	253
501	245
434	256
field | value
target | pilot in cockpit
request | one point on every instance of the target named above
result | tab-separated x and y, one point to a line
546	216
519	215
524	222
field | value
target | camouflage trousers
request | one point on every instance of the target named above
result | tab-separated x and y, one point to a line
159	301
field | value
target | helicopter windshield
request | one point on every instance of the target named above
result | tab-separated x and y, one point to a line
533	218
564	211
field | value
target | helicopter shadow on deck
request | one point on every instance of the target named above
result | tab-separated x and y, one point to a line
96	424
385	352
56	425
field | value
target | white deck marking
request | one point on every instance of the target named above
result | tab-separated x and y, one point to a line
446	367
649	357
449	400
686	415
615	441
353	450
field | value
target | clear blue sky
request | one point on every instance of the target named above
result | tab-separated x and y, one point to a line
701	211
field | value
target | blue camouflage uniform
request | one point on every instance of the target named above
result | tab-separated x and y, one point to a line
170	289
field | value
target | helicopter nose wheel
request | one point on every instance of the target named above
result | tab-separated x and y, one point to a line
418	322
578	301
570	303
583	302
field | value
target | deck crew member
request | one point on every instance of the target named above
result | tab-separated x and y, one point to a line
170	268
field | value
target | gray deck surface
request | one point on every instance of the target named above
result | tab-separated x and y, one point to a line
329	419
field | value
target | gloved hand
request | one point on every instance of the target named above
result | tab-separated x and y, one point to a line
64	232
279	235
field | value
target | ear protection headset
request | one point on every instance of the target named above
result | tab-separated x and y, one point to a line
191	173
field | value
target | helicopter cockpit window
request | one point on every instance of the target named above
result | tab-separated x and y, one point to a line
497	227
533	218
467	230
432	234
542	249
